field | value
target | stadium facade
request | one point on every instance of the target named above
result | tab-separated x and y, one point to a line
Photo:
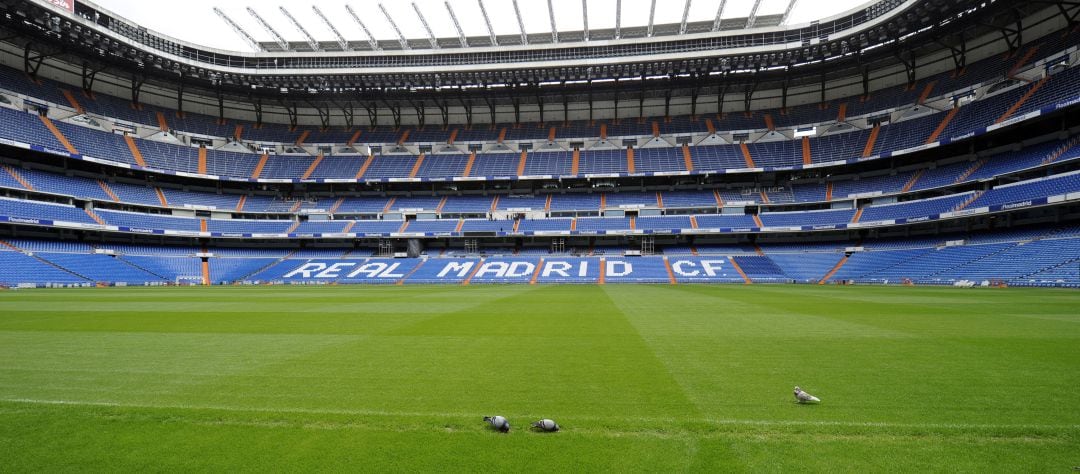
902	142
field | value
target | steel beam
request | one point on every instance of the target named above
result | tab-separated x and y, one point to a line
1071	18
468	106
554	29
349	114
618	18
460	33
685	14
257	106
137	81
180	97
310	39
372	109
521	24
421	113
444	113
753	14
395	112
787	11
719	14
585	17
239	31
431	36
371	38
487	21
290	108
652	14
32	60
269	29
324	114
89	74
220	105
401	38
491	110
337	34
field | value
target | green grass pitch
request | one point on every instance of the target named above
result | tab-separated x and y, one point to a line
641	378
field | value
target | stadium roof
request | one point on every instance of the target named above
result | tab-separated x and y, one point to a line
855	43
422	24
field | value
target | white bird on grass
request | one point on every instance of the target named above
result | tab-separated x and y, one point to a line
499	423
803	397
546	425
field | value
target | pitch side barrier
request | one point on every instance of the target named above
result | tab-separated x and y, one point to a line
521	270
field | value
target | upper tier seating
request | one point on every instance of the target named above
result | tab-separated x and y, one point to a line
833	147
897	96
800	218
844	141
920	208
1028	190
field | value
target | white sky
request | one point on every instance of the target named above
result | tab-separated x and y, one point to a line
195	21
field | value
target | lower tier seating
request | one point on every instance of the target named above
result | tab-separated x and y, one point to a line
1046	257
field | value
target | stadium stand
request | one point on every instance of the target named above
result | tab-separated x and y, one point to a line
1018	258
744	197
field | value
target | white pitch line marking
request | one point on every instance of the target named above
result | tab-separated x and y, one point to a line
860	424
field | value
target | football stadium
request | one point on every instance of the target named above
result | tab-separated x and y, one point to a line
567	235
